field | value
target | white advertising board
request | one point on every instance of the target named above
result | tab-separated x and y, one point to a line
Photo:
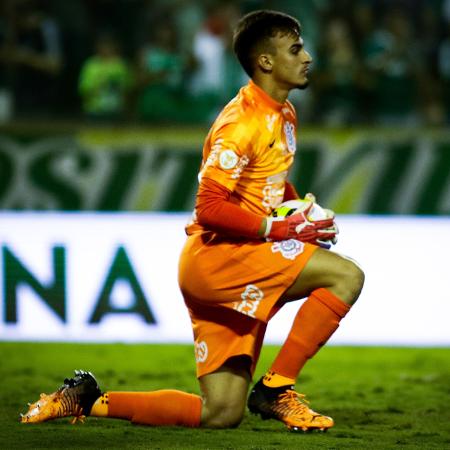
113	278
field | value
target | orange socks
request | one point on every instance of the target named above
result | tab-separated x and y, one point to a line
317	319
165	407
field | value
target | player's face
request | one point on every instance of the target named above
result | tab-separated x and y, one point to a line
290	62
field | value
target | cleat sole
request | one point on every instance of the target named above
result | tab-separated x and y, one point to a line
305	429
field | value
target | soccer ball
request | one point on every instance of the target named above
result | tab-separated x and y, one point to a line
291	207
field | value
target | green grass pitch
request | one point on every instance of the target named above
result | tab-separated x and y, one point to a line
380	398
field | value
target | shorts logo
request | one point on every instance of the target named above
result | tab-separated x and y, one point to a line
289	249
251	298
228	159
201	351
289	131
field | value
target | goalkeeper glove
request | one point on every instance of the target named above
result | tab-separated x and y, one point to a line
297	226
327	236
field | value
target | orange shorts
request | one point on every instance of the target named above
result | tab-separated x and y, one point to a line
231	289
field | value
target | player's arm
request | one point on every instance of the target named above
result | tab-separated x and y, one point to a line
216	212
230	146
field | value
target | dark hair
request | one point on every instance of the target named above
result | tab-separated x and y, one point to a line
254	31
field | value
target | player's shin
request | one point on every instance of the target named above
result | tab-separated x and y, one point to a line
274	395
158	408
316	321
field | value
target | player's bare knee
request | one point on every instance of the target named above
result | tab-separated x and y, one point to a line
351	280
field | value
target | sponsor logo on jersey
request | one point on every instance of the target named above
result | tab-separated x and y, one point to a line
228	159
210	161
251	298
272	195
289	131
201	351
241	165
289	248
270	121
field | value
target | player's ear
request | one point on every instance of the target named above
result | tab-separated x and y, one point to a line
265	62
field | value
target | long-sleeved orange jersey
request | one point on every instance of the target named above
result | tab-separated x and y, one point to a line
249	151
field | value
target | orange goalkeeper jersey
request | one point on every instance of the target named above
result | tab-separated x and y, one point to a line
249	150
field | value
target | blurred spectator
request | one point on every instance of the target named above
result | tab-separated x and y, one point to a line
392	56
233	77
446	10
105	81
431	88
338	75
76	34
188	16
444	70
210	46
375	61
160	77
31	57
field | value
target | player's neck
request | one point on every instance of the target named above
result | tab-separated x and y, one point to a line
278	93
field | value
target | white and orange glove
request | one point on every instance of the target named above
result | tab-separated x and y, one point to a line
298	226
328	236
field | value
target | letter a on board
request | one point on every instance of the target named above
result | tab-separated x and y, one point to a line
121	269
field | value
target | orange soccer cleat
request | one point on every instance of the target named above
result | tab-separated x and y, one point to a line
74	398
287	406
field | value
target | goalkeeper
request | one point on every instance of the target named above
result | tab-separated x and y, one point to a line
239	266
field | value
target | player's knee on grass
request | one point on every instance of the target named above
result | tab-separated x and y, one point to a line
223	409
223	414
225	393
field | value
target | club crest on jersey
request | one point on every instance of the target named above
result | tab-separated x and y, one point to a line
228	159
289	248
289	131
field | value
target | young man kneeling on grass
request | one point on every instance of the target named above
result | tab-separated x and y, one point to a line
240	265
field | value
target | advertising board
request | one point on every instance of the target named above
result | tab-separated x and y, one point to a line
112	277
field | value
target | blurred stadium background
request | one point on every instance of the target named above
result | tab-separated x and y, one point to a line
104	105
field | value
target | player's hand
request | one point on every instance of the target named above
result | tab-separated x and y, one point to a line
298	227
327	236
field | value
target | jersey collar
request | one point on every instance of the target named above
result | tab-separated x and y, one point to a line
263	97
